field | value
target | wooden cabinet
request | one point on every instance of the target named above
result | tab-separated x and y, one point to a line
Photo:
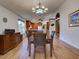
9	41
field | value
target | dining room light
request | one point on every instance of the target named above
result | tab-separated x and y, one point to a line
39	9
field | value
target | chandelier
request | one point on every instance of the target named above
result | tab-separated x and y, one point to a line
39	9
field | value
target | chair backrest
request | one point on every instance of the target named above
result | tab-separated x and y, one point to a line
39	38
28	33
52	34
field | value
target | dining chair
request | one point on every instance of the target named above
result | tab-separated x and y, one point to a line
29	41
50	41
39	41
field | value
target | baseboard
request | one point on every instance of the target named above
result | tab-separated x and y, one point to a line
70	47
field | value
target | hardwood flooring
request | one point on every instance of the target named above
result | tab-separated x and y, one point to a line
60	52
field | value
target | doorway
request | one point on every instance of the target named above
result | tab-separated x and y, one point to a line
57	24
21	27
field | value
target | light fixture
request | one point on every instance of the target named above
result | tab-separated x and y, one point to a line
39	9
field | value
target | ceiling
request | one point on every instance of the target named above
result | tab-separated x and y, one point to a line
23	8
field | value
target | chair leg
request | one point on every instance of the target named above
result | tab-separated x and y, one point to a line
51	46
45	51
29	46
34	51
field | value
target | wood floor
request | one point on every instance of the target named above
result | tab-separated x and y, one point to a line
60	52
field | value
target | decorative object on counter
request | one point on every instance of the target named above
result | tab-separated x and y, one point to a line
43	26
40	19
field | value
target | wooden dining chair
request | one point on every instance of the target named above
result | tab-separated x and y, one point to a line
30	38
29	41
50	41
39	41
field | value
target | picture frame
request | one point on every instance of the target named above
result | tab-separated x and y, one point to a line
74	19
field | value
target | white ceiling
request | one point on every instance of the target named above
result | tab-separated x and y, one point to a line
23	8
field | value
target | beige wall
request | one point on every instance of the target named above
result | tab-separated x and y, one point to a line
12	20
69	34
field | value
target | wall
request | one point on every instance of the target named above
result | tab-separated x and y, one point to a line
52	28
52	17
12	22
69	34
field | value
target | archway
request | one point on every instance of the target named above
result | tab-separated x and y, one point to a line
57	24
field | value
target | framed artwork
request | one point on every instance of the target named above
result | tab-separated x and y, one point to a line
74	19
